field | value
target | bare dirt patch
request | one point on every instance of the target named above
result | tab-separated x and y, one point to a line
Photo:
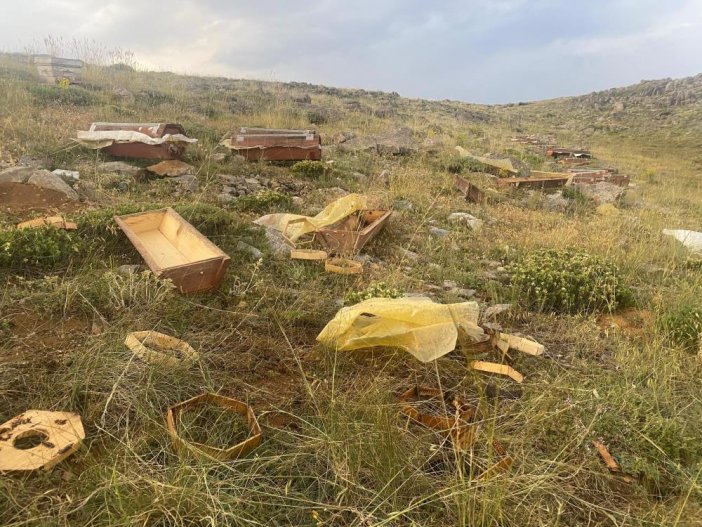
20	197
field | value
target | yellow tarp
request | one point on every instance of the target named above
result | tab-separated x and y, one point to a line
295	225
418	325
502	164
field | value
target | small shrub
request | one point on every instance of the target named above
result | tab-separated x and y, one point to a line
682	326
309	169
52	95
263	201
36	248
568	281
374	290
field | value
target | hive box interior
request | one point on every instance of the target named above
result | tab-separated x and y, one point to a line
174	249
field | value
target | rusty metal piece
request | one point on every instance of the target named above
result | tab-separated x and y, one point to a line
39	439
470	191
275	144
353	232
174	249
207	451
136	150
343	266
457	426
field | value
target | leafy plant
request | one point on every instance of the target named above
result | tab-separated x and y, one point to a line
374	290
568	281
309	169
263	201
682	326
36	248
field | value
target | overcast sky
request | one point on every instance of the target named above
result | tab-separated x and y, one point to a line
487	51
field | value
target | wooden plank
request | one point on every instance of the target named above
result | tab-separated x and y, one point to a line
505	342
500	369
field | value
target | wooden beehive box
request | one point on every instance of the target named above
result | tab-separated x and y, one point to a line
276	145
174	249
138	150
351	234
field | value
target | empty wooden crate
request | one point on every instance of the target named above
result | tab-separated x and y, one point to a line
353	232
174	249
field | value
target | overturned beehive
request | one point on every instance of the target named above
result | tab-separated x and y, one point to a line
174	249
137	140
275	144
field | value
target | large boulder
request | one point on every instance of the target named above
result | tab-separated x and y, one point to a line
46	180
16	174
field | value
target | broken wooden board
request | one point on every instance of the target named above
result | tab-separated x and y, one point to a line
499	369
504	342
58	222
174	249
39	439
343	266
351	234
308	254
611	463
470	191
546	181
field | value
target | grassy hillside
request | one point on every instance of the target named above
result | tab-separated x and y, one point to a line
337	450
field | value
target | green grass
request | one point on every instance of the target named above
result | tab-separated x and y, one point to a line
337	450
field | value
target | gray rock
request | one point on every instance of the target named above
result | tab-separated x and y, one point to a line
16	174
119	167
276	243
225	197
34	162
465	219
127	270
69	176
186	184
249	249
556	202
298	201
86	190
403	204
464	293
398	142
602	192
438	232
47	180
406	253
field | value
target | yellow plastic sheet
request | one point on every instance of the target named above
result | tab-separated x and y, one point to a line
502	164
295	225
418	325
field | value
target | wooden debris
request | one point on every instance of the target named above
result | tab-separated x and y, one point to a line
207	451
58	222
39	439
611	463
470	191
308	254
500	369
157	348
355	231
505	342
343	266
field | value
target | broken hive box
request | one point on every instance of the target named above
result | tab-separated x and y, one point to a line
353	232
540	180
55	70
182	446
137	140
267	144
174	249
39	439
470	191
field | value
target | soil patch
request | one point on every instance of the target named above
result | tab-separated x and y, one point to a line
20	197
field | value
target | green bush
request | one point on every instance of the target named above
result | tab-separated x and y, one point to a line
37	248
263	201
309	169
568	282
374	290
682	326
71	95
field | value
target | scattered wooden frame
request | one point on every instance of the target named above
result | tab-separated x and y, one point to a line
200	450
308	254
351	234
57	222
146	344
471	192
59	435
499	369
